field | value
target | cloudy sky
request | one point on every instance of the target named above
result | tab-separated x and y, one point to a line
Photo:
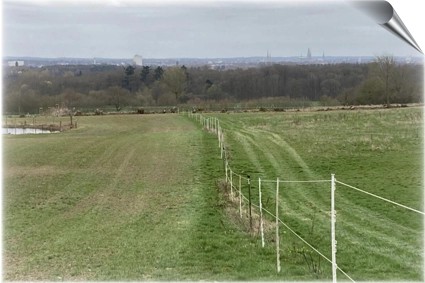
176	29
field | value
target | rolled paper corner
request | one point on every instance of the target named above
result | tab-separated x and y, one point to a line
383	13
396	26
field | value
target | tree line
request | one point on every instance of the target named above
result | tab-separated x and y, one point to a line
27	90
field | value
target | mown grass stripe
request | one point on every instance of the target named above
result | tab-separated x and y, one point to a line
377	150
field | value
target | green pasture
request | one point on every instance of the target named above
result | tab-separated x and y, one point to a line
121	198
135	197
379	151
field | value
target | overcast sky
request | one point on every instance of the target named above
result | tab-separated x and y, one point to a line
173	29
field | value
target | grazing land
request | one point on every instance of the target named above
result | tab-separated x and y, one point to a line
379	151
134	197
121	198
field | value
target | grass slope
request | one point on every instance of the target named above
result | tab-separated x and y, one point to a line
379	151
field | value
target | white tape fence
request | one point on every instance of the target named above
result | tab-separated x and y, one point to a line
237	182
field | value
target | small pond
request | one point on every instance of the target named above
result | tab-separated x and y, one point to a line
23	131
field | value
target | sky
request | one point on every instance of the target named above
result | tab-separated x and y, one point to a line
201	29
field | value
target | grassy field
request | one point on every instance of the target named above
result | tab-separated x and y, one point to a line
379	151
134	197
129	197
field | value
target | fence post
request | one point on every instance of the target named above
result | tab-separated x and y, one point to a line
240	196
249	203
261	213
219	137
213	124
333	220
225	167
231	183
221	152
277	227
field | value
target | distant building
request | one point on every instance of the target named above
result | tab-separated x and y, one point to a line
15	63
269	58
138	60
308	54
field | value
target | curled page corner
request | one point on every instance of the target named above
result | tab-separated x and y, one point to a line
385	15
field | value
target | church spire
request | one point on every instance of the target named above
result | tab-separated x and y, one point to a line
308	53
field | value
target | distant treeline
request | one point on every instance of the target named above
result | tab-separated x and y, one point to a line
26	90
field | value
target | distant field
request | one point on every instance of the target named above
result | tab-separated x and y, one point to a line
379	151
134	197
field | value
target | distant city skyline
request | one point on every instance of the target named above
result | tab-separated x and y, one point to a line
123	29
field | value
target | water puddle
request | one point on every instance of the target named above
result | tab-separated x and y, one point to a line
23	131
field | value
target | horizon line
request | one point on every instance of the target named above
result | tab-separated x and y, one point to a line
186	57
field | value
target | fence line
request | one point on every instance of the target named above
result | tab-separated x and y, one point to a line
35	124
333	220
307	243
287	181
220	135
381	198
261	213
277	227
229	178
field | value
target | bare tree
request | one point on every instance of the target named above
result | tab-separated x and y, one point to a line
386	65
118	96
176	81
